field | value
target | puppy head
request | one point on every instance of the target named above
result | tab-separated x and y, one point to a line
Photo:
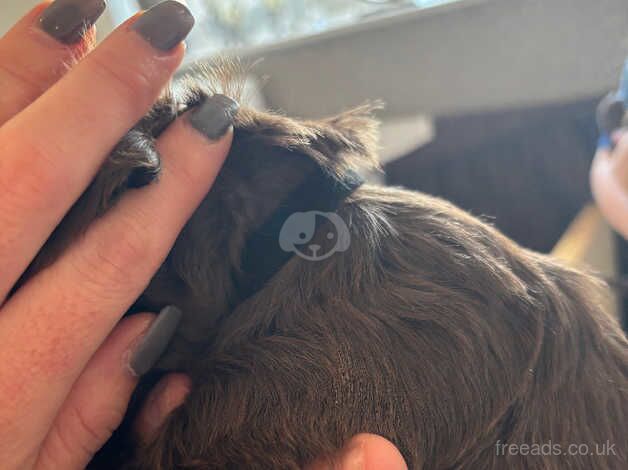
271	155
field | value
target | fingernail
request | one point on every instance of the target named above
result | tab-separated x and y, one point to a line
215	116
155	341
68	20
165	25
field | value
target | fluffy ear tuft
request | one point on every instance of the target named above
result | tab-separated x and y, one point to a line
351	138
343	142
222	75
346	141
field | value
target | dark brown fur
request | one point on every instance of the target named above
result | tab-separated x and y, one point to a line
433	329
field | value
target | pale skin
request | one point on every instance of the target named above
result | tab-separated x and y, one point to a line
609	182
65	381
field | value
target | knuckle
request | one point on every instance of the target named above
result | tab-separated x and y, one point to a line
96	427
187	174
24	88
113	260
81	434
132	84
34	186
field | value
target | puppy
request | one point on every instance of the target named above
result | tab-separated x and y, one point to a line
424	324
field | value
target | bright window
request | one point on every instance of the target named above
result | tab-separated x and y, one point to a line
230	24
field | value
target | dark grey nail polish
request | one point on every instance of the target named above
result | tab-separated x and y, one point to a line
155	341
215	116
165	25
68	20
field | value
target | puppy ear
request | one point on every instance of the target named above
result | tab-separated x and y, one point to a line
346	141
350	139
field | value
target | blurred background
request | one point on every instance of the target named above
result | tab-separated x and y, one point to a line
489	103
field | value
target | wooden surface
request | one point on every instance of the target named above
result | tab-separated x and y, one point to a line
589	243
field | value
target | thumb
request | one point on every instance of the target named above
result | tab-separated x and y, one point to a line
364	452
97	402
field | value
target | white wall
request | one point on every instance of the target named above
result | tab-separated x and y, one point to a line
11	10
488	55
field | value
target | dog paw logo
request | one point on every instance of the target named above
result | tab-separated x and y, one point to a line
298	232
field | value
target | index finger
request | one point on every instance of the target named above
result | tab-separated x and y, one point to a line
50	328
50	152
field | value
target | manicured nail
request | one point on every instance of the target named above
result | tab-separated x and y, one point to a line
155	341
68	20
215	116
165	25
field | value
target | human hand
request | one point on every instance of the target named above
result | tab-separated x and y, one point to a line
364	452
67	362
609	182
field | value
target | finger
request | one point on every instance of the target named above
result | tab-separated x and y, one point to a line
616	159
617	135
51	150
364	452
97	402
54	323
95	406
620	158
166	397
40	49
